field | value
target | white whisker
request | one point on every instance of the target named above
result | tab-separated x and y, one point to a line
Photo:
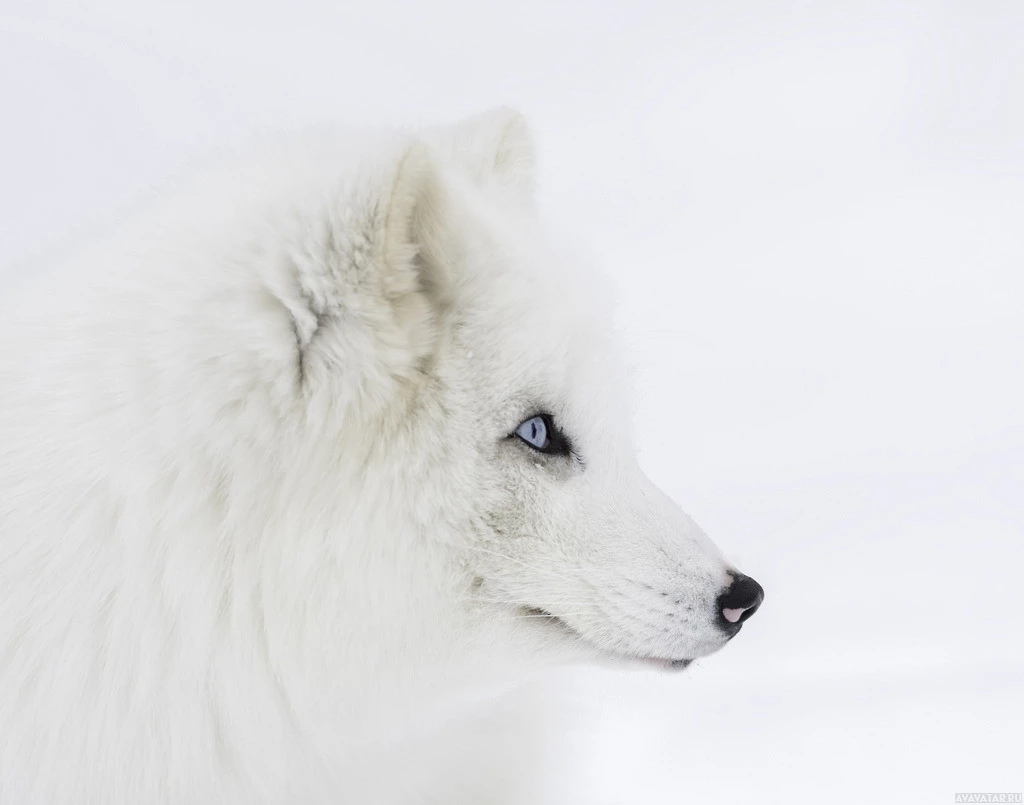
523	564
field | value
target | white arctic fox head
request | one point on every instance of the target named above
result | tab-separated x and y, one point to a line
509	399
318	434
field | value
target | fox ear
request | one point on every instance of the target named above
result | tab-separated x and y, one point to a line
376	301
418	250
494	148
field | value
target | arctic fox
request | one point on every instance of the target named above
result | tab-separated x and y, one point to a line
326	443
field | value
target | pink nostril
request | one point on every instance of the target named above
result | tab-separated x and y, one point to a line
733	615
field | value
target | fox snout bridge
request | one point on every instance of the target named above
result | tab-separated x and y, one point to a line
739	601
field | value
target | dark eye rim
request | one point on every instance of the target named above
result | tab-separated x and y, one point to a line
558	443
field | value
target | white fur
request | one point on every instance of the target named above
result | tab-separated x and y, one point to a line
262	525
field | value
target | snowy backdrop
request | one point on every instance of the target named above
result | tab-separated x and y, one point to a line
814	215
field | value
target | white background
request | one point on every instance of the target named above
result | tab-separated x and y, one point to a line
814	213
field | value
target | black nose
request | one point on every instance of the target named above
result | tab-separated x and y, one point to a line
739	601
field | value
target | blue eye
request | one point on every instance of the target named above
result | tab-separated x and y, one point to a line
534	431
541	433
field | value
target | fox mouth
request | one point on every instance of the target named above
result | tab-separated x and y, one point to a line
555	622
